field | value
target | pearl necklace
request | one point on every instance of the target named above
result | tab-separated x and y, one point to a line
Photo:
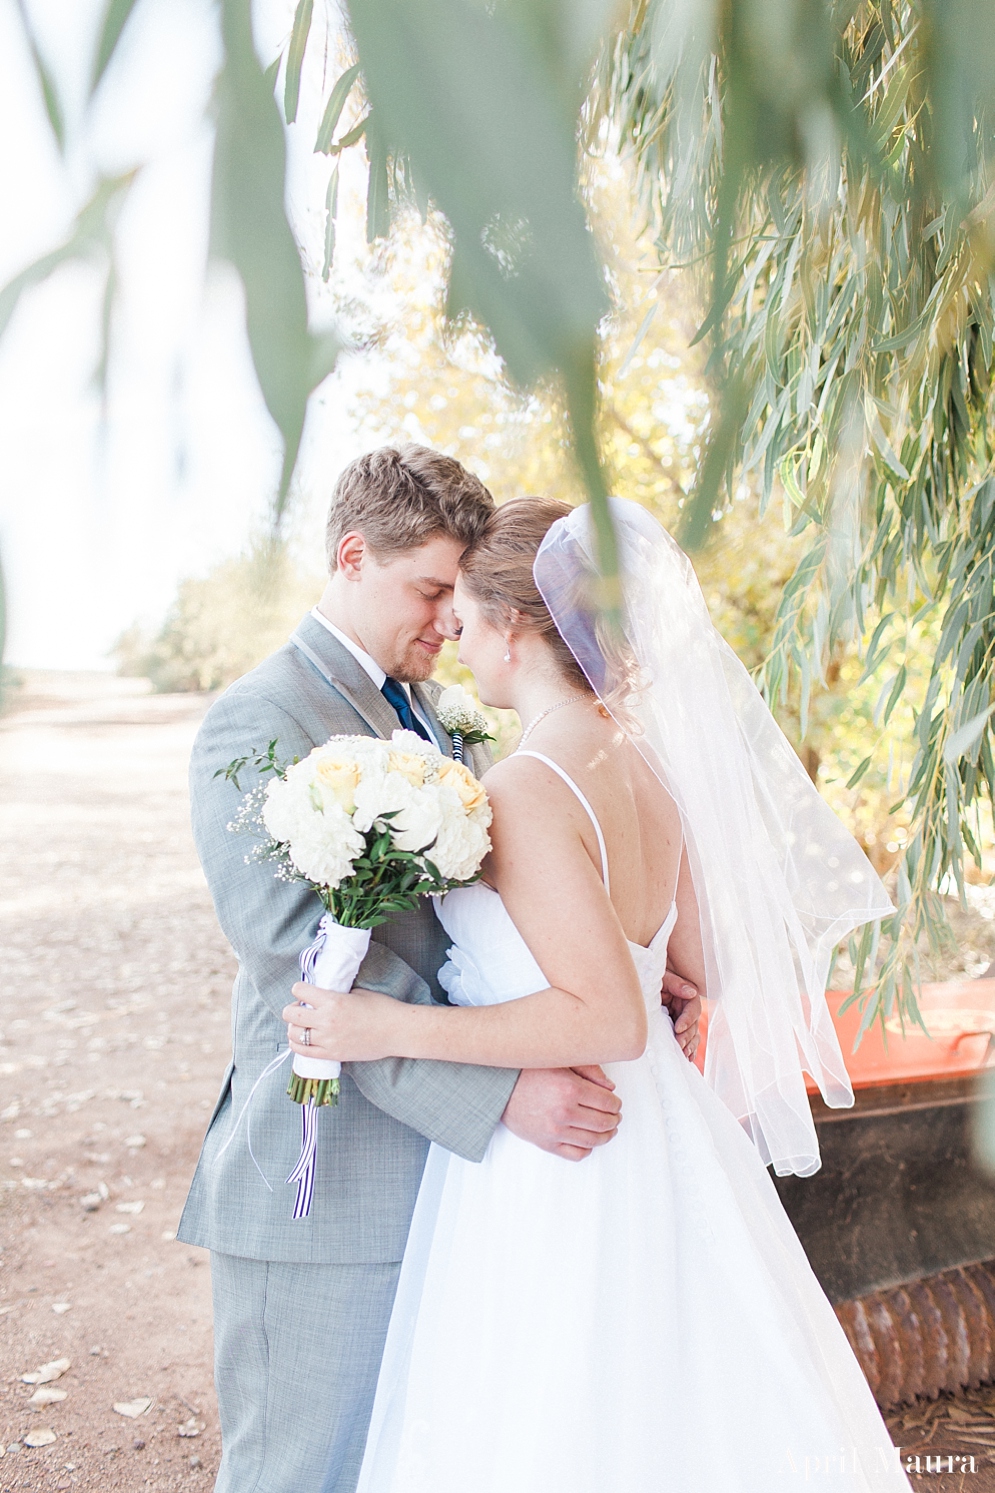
570	700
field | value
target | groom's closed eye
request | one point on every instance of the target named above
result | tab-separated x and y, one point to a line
432	588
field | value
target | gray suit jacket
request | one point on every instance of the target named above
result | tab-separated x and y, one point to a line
372	1146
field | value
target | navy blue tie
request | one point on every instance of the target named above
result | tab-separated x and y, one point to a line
395	694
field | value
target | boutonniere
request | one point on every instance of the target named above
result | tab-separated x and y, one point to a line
461	716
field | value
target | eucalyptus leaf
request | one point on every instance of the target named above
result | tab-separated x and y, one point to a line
115	19
49	92
249	227
295	58
483	102
90	237
333	109
961	741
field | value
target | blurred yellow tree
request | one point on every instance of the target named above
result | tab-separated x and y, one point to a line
223	623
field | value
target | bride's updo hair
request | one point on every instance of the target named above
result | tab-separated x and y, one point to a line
497	572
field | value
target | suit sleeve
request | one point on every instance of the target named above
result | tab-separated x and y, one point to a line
268	922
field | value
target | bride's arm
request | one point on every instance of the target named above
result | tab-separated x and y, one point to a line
593	1010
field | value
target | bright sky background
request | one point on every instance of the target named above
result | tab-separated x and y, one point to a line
99	518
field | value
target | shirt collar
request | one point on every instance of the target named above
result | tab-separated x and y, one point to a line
361	656
372	668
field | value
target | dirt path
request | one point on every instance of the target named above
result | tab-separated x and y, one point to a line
114	1012
114	1018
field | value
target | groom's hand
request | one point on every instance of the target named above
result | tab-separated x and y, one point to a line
567	1111
684	1004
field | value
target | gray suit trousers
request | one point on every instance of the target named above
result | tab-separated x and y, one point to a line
313	1335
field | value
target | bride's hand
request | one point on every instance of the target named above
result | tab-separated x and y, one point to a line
345	1028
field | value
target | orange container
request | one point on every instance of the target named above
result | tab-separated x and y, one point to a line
960	1016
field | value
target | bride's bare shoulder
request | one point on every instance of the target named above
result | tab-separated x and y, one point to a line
513	775
520	790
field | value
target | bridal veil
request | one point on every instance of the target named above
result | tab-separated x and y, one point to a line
778	879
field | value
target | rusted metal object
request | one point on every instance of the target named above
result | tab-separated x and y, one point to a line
929	1335
898	1196
899	1222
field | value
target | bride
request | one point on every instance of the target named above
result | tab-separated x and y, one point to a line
646	1321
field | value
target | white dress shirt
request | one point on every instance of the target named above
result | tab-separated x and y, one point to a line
371	666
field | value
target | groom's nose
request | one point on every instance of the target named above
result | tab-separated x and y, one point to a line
445	621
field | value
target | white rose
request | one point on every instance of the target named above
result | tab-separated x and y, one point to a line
380	792
321	838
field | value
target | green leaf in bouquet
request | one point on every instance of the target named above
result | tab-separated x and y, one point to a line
263	762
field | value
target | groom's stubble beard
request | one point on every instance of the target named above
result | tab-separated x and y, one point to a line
414	666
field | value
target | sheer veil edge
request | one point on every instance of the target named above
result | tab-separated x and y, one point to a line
778	878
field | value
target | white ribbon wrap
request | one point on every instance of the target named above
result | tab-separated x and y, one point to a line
332	963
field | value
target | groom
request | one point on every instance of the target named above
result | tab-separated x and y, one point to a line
301	1307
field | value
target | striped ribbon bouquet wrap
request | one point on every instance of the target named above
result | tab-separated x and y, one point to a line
371	826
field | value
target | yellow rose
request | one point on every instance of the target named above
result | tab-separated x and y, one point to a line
339	776
472	794
409	765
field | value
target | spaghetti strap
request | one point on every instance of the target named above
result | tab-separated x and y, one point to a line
590	812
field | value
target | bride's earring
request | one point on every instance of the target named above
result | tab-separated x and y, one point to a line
507	656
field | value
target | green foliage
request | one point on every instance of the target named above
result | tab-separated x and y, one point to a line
261	763
385	881
295	58
447	388
249	227
476	107
115	19
333	113
46	83
832	167
222	624
91	239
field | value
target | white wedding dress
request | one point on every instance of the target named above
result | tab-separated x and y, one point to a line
644	1321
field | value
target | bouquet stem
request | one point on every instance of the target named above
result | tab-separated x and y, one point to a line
321	1090
332	962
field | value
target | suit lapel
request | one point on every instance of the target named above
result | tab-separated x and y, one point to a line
423	698
346	675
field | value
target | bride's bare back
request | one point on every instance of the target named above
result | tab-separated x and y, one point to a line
541	828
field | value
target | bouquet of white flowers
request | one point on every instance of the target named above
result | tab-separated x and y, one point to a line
372	826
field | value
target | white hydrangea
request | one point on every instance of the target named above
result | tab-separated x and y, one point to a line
462	843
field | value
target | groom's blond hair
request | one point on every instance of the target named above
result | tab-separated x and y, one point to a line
400	497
